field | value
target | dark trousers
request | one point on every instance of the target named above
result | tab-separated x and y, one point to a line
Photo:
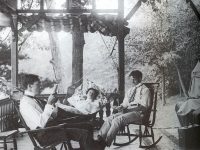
77	131
72	132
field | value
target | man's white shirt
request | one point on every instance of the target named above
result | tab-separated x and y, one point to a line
142	96
33	114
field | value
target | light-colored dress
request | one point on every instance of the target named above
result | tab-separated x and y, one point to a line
86	106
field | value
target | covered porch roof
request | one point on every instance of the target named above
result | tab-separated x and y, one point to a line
109	22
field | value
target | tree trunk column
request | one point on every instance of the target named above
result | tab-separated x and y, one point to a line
121	72
14	53
77	58
56	60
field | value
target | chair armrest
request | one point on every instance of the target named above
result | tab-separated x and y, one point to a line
44	129
59	126
51	127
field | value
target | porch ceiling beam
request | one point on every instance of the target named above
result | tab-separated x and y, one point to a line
133	10
75	11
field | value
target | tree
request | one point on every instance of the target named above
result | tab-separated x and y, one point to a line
55	50
164	46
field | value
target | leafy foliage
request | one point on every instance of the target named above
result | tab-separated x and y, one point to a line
172	40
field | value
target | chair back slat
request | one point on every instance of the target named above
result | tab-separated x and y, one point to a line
154	109
151	113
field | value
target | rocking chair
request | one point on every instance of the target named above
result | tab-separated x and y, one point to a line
147	121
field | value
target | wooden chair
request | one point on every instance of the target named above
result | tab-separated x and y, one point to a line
64	144
148	122
7	125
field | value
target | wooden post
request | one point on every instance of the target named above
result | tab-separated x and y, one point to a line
77	57
78	42
41	4
121	76
67	4
14	52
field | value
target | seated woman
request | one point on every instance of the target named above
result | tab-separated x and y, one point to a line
86	106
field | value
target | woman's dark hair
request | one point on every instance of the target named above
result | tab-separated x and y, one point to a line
29	79
96	91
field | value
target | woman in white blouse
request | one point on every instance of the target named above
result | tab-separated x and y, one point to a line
89	106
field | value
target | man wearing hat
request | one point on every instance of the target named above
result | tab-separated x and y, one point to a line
135	103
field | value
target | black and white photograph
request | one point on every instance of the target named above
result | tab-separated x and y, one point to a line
100	74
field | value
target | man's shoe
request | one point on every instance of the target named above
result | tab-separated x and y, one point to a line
98	145
100	138
101	141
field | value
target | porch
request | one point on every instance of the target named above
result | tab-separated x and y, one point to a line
167	127
169	141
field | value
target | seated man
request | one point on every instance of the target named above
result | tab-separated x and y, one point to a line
37	116
135	103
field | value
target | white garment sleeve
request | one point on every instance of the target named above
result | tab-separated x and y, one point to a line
34	117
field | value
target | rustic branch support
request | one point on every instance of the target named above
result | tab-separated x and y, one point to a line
197	13
77	57
121	76
14	52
